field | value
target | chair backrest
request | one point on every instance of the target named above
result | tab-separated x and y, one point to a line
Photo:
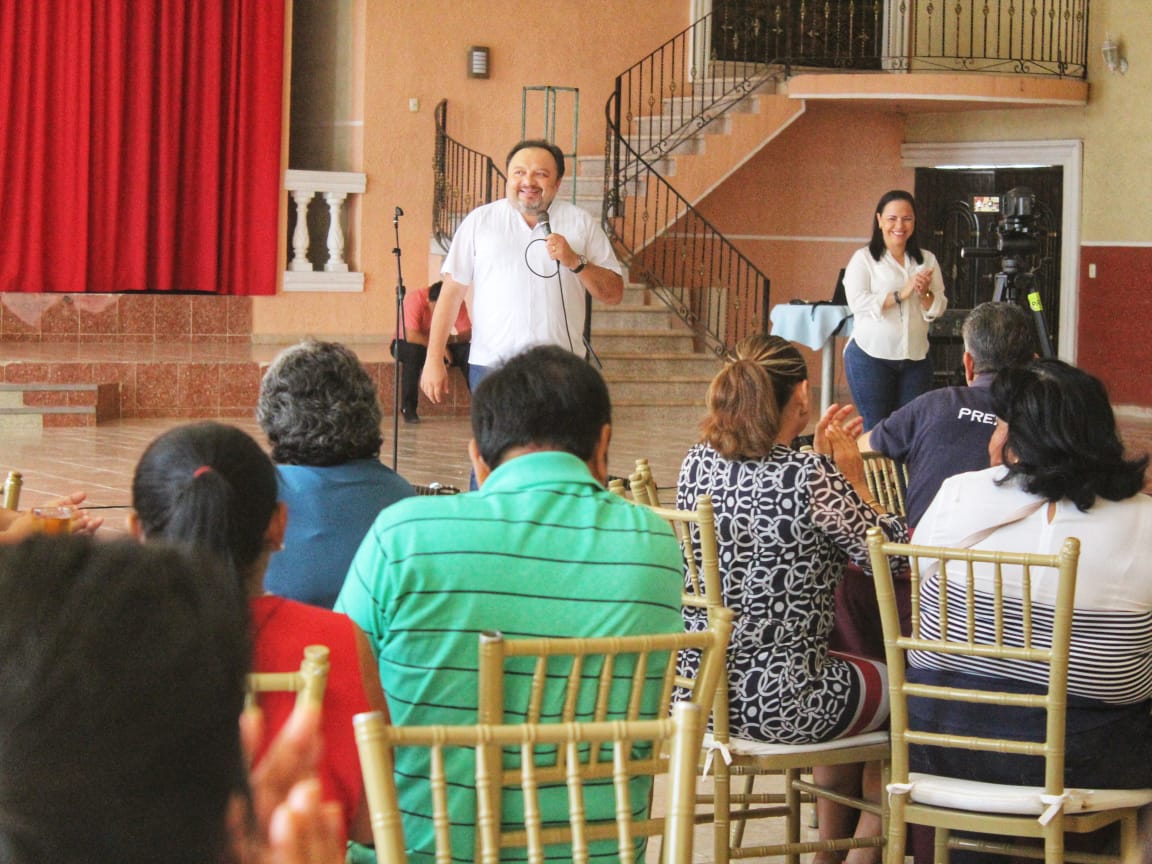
644	489
601	678
678	735
435	488
702	587
624	678
974	608
887	480
308	682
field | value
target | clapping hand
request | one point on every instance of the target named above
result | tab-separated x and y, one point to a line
291	824
841	417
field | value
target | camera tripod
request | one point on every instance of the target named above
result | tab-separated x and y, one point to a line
1009	282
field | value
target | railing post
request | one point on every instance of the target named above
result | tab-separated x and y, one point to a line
301	273
335	262
300	262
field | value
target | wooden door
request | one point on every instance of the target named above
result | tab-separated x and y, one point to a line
950	219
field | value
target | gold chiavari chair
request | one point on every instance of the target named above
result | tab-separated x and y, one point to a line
1021	630
308	682
678	736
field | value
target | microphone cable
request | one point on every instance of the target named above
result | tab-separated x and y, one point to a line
543	221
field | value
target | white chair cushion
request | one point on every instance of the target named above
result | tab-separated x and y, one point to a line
746	747
959	794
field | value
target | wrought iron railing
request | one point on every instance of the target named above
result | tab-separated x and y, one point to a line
465	179
666	242
704	71
1038	37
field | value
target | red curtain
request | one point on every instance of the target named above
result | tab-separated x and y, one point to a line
140	145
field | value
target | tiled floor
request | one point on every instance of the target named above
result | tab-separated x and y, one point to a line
101	460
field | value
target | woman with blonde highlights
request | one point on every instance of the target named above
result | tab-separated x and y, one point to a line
787	523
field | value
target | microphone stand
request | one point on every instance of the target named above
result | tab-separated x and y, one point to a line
401	335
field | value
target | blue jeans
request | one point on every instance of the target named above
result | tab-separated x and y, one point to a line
476	374
879	387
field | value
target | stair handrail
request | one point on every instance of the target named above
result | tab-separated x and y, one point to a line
692	267
676	251
464	179
675	73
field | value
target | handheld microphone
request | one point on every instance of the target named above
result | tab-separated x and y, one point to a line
542	219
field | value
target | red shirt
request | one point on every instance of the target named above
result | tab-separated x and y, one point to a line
418	314
281	629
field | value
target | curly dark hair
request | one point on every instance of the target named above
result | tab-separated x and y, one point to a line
1062	440
318	406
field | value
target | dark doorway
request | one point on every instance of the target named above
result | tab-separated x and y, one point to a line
950	219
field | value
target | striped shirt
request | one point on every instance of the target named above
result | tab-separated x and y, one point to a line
541	550
1111	649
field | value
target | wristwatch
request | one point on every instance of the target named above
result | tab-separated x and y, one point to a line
583	263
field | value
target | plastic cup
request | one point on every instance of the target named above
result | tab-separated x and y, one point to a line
53	520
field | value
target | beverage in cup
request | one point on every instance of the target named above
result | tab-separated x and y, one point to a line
53	520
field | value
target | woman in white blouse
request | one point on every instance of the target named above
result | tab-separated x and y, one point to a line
895	290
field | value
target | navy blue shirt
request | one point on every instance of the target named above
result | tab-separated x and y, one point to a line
941	433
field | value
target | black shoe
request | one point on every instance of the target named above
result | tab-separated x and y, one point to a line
410	416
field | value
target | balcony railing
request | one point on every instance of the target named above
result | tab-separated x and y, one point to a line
465	179
1037	37
318	261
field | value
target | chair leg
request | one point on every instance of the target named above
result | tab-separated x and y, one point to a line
738	822
1130	851
721	806
940	846
792	802
1054	841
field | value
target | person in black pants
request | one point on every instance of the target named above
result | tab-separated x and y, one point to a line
413	349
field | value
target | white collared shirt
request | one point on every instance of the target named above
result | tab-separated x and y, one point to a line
514	308
899	332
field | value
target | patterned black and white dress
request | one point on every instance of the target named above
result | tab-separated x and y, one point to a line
786	526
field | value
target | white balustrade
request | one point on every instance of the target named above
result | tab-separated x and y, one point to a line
335	187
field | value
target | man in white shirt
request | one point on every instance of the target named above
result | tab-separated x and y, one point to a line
528	275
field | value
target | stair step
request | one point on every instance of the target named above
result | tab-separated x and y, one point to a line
662	389
661	125
624	364
644	144
633	316
37	405
643	341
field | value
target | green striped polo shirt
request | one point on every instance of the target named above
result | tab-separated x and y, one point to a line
541	550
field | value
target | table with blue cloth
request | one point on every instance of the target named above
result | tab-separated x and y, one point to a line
816	327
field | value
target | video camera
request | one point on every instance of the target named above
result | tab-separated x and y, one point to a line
1017	245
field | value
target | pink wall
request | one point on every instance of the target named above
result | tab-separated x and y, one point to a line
419	50
803	204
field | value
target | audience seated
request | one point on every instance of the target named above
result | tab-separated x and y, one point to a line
121	685
1063	474
787	522
946	431
211	488
321	414
542	549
